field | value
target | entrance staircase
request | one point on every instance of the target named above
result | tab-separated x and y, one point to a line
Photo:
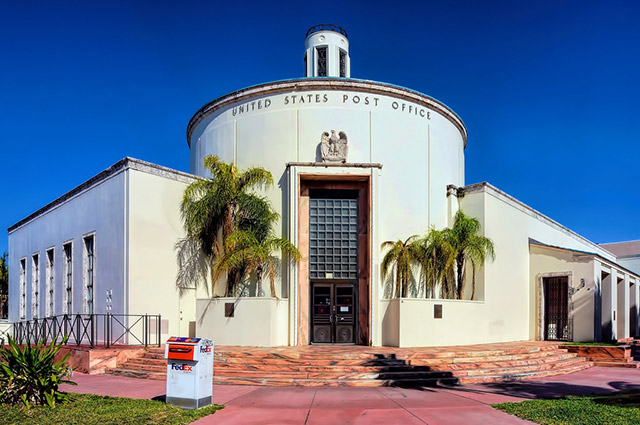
624	353
373	366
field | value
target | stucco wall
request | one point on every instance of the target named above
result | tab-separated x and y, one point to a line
154	227
258	322
99	210
421	152
411	323
545	261
509	287
379	128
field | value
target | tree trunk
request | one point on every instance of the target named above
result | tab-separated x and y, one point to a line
398	282
433	282
259	291
460	267
473	283
213	282
405	285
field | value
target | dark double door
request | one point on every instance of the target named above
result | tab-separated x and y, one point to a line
333	312
333	266
556	308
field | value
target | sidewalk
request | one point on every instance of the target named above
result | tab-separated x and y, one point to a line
467	404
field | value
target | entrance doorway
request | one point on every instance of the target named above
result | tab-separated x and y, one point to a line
334	313
556	308
333	222
333	265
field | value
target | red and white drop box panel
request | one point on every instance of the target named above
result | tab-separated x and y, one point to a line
189	371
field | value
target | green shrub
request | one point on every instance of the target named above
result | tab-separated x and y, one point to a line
30	374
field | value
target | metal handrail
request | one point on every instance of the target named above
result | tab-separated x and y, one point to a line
4	334
91	329
326	27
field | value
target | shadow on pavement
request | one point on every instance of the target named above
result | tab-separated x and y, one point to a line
538	390
398	373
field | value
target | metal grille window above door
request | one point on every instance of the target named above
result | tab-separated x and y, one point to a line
333	238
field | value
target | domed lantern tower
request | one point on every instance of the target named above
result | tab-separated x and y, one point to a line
327	52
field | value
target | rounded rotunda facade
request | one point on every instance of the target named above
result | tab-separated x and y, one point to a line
403	149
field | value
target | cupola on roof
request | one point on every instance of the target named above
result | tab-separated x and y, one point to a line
327	52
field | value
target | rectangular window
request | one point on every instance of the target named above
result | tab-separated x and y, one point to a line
35	286
68	278
23	288
333	234
306	74
343	63
89	276
322	61
50	283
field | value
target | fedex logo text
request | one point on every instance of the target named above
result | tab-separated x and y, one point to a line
184	367
205	349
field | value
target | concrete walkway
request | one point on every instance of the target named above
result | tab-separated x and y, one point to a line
467	404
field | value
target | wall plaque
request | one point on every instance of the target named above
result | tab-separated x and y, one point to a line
437	311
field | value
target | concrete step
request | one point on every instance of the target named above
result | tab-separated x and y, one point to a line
525	376
367	366
630	365
142	374
138	366
146	361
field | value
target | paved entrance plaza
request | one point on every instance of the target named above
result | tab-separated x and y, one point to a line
466	404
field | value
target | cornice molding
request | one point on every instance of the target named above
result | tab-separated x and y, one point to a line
303	84
519	205
115	169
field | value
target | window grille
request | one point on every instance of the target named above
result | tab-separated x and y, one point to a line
23	287
333	238
322	61
35	284
343	63
89	279
51	282
68	282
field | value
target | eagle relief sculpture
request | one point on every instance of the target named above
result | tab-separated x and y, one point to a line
334	148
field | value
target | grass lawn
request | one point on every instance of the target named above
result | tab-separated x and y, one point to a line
622	408
88	409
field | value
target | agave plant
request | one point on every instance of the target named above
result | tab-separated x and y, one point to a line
31	375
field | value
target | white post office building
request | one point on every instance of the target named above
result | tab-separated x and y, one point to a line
355	163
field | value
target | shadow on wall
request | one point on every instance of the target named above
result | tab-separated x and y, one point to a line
417	287
284	222
210	303
582	315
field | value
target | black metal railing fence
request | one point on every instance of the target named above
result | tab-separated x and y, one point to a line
91	329
5	331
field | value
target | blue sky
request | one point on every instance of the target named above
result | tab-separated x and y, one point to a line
548	90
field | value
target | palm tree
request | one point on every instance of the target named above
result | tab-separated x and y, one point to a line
437	263
467	245
401	256
244	251
212	209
